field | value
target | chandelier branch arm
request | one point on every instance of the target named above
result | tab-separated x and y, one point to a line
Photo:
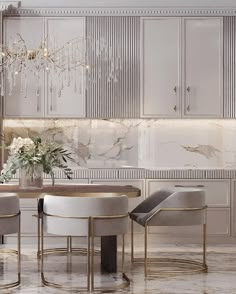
59	61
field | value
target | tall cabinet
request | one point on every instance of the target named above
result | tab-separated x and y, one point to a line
181	67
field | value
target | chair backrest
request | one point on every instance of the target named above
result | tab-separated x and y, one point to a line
180	198
9	205
69	213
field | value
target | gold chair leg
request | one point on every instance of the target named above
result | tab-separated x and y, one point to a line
204	245
39	234
92	256
42	248
123	254
69	244
19	251
89	271
145	251
132	241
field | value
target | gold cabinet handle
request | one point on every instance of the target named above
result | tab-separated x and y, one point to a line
188	91
175	90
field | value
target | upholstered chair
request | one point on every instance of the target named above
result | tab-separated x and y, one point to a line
171	207
85	217
10	224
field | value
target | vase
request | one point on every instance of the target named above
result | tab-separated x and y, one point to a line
31	177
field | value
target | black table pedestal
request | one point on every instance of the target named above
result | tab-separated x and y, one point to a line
109	254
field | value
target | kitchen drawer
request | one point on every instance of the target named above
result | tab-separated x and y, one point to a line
217	191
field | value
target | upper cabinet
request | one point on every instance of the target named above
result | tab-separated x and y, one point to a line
42	93
66	97
23	95
160	67
181	67
203	67
179	61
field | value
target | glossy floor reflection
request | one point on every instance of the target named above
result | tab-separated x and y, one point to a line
221	277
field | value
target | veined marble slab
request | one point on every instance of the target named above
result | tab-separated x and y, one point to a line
137	143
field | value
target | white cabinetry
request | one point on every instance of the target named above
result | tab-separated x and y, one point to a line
22	100
160	66
27	101
203	67
217	199
181	67
71	102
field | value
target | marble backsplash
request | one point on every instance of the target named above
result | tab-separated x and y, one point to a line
142	143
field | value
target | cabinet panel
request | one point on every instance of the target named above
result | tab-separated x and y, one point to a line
71	101
203	56
217	191
23	99
160	65
113	84
182	67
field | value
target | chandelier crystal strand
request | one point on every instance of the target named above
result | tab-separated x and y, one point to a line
26	85
66	65
2	85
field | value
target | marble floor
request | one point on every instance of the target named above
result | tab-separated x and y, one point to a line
221	277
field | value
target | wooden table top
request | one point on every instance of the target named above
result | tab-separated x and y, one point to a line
73	190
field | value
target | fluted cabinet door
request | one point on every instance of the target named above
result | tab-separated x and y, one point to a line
203	67
160	67
113	79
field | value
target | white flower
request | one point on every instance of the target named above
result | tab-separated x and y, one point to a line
19	143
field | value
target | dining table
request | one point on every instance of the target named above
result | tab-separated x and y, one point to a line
108	243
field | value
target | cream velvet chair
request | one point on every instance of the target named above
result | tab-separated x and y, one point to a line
10	224
171	207
85	216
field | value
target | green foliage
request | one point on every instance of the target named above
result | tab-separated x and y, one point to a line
27	152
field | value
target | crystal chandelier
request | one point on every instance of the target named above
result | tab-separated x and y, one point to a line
63	65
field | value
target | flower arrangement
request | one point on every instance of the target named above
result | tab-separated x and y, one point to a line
31	152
